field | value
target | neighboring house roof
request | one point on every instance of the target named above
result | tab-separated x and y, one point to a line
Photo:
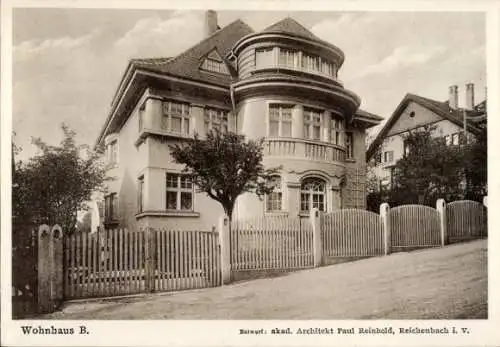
440	108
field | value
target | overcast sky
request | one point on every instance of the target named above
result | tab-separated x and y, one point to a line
68	62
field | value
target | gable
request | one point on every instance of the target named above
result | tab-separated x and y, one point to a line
213	62
421	116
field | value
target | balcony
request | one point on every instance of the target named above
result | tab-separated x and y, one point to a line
299	148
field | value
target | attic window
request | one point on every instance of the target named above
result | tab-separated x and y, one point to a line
412	114
214	65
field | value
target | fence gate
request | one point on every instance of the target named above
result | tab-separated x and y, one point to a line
121	262
414	226
466	219
271	243
352	233
24	271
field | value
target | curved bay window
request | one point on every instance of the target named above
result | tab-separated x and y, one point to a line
312	194
274	199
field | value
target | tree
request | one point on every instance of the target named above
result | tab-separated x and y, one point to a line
53	186
430	170
224	166
476	168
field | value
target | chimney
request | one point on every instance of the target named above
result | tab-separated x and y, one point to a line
210	22
453	97
469	96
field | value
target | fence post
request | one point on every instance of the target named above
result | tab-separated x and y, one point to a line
441	208
485	201
56	282
315	219
225	247
44	269
149	260
386	225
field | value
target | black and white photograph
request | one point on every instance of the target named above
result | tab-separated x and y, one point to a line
270	172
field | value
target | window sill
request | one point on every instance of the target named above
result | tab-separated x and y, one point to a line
167	213
350	160
111	166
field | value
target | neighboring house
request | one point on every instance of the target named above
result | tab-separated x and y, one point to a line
415	112
280	83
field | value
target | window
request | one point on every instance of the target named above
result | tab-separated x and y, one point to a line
388	156
406	147
328	68
215	119
287	57
312	124
113	152
214	66
336	128
274	199
455	139
280	120
264	57
311	62
179	192
175	117
349	145
447	140
312	194
111	207
140	194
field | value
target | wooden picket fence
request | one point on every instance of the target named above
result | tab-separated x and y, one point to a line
271	243
466	219
121	262
352	233
414	226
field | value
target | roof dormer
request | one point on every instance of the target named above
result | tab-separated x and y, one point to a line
213	62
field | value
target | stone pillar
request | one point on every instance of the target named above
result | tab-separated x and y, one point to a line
44	269
298	122
441	208
386	226
315	220
198	120
57	290
225	249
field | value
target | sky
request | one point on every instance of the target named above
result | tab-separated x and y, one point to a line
67	63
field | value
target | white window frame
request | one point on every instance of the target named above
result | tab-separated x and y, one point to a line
168	114
140	194
214	65
337	127
315	120
306	190
388	156
113	152
274	200
268	54
178	190
111	207
455	139
290	55
215	119
281	118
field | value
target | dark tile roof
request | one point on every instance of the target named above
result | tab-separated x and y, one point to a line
291	26
187	64
368	115
441	108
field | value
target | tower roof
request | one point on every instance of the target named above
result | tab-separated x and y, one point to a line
291	26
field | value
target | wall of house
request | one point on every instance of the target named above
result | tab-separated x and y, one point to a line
395	138
354	188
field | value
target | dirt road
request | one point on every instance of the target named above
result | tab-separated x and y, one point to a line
442	283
